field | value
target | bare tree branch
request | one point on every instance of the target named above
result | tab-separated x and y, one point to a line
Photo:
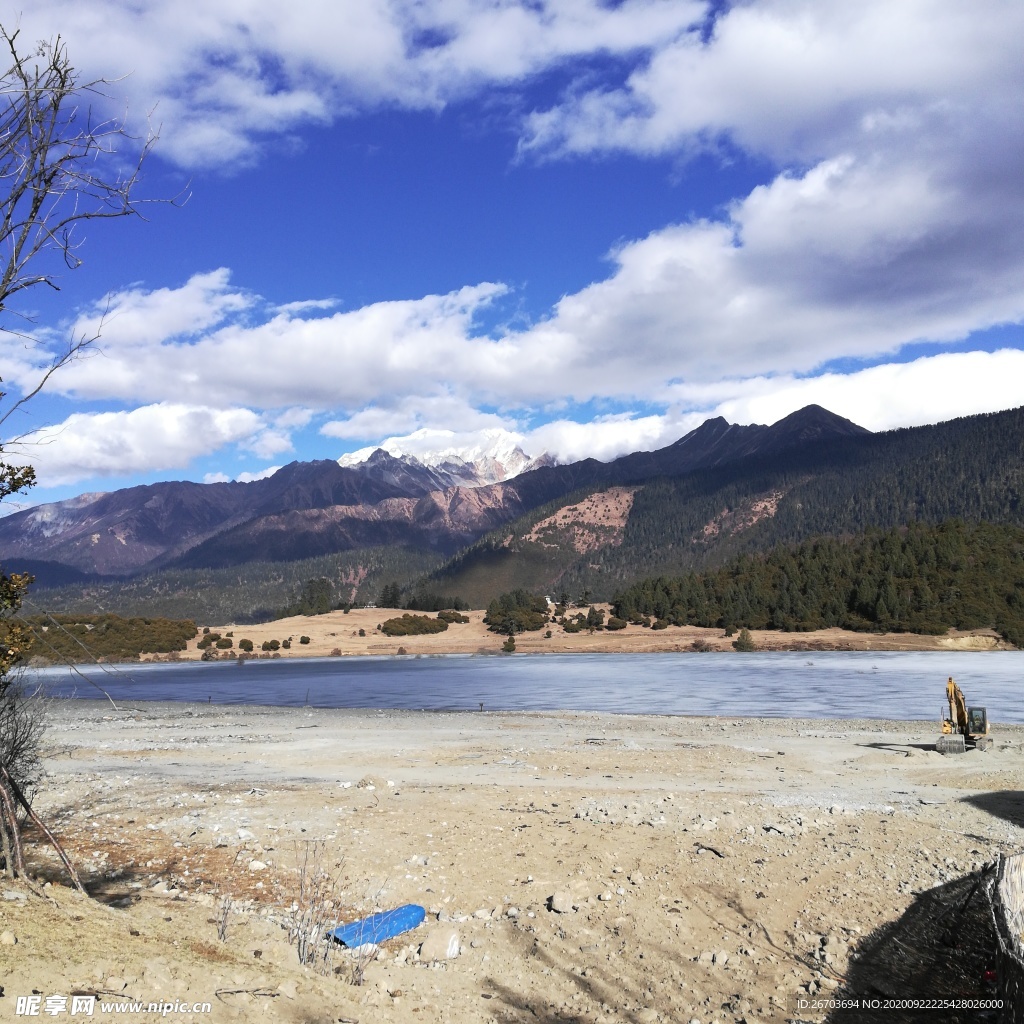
59	168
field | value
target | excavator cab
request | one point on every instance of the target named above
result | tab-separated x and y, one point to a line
977	722
962	727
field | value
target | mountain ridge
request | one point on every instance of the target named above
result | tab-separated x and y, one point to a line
185	524
587	529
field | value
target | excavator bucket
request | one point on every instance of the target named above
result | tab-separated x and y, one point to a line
953	744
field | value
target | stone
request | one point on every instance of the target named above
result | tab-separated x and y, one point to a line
605	896
721	958
257	865
157	976
8	939
287	989
441	943
561	902
636	878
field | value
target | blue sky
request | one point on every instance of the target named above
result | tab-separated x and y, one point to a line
593	224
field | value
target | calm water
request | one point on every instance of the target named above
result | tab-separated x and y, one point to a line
833	684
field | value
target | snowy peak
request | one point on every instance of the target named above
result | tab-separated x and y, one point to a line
456	460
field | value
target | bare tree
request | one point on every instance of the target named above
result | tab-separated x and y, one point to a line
59	167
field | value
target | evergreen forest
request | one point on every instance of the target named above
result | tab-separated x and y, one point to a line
71	639
919	579
251	592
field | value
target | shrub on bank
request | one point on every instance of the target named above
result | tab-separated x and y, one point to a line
412	625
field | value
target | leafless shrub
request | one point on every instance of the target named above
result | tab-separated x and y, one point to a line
22	723
223	914
315	911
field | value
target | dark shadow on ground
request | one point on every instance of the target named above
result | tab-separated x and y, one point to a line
899	748
942	947
119	887
1007	804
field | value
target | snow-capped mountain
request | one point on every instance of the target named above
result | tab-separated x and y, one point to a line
456	460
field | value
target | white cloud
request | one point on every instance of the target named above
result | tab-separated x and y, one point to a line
891	395
798	80
111	444
608	437
896	217
687	306
884	397
347	359
849	259
223	77
141	317
406	414
242	478
306	306
294	419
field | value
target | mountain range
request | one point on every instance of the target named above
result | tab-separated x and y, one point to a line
588	525
314	508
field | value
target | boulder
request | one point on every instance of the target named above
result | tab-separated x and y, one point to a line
561	902
441	944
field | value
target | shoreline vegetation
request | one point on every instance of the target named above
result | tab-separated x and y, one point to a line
356	633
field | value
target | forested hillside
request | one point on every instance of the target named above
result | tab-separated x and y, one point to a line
919	579
971	468
254	592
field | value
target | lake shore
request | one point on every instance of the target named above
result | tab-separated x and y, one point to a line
339	633
595	868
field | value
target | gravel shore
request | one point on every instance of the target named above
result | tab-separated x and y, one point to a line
591	868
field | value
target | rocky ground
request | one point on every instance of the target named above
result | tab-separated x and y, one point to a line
581	867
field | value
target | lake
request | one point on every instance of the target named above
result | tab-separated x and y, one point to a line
821	685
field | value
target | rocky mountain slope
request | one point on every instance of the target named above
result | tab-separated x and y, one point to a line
745	489
313	508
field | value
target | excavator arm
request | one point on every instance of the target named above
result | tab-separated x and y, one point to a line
957	708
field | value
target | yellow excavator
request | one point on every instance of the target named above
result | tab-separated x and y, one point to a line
963	727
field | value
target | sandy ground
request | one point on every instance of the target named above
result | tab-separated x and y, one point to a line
338	632
592	868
